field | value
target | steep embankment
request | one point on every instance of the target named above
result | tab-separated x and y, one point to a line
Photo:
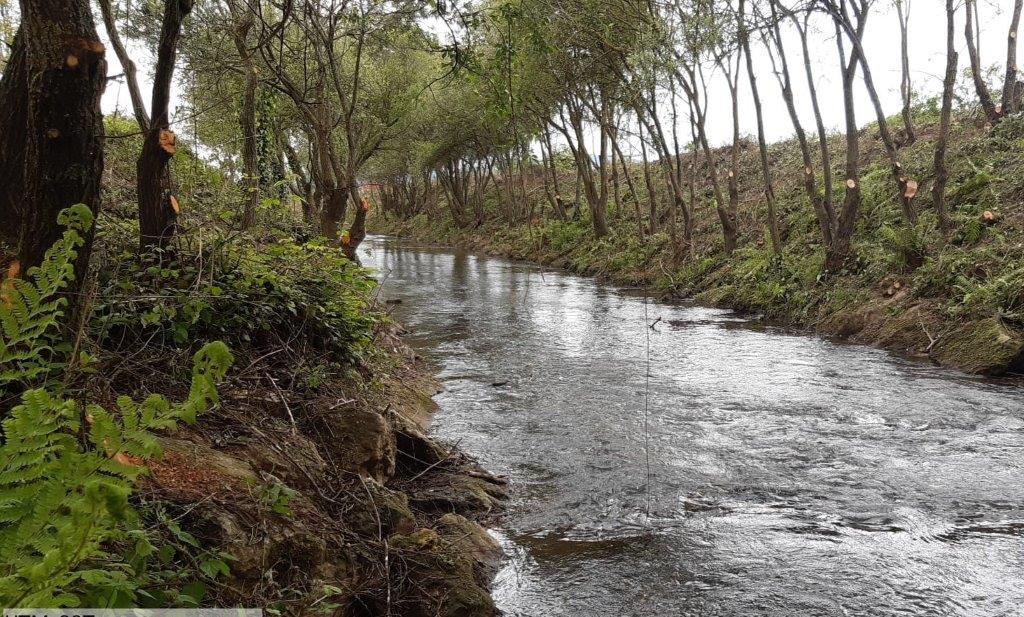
963	306
313	487
335	497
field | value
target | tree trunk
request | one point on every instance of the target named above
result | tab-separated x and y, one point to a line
652	195
906	188
130	72
839	252
822	207
698	119
762	146
984	96
247	118
13	112
158	208
1010	99
941	171
53	84
826	156
903	13
357	231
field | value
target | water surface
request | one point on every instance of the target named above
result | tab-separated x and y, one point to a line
788	475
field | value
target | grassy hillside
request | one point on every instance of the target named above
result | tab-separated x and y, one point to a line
963	307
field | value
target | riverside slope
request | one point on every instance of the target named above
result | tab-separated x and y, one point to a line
887	314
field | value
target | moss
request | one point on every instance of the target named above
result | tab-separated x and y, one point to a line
985	346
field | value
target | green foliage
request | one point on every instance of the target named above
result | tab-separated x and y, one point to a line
277	496
908	245
177	568
63	498
283	292
67	465
975	190
31	310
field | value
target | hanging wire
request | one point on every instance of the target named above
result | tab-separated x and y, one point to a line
647	409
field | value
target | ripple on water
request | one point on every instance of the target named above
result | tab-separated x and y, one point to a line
788	475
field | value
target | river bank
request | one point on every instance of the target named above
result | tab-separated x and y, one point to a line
333	498
899	311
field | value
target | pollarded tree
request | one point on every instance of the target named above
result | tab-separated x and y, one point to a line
158	206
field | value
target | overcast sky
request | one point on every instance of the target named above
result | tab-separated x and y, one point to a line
882	40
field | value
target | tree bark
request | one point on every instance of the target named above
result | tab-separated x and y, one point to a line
906	188
158	208
822	207
1010	98
130	71
241	26
984	96
826	156
762	145
941	171
903	14
57	78
839	252
13	120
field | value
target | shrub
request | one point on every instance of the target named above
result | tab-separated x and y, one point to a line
306	293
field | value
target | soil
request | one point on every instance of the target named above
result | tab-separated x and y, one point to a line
377	517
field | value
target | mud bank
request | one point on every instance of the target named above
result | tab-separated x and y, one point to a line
887	315
334	499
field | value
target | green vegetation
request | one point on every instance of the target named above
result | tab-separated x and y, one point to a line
911	288
229	207
67	466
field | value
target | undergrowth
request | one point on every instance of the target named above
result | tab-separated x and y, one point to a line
67	465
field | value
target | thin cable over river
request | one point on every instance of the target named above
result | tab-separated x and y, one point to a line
790	475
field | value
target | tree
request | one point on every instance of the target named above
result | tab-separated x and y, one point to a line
903	14
839	251
762	146
158	207
1011	98
949	80
51	127
984	95
822	203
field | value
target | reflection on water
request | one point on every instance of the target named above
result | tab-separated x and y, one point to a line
789	475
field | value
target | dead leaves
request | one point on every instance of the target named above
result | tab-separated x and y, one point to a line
13	272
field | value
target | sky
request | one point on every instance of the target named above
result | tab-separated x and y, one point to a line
882	44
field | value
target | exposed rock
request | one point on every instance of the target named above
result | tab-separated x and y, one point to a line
472	543
417	451
986	346
458	492
359	440
294	459
378	510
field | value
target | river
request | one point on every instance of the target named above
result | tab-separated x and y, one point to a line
788	474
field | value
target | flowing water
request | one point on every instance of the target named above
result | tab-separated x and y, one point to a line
789	475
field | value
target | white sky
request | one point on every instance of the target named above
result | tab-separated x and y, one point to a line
882	40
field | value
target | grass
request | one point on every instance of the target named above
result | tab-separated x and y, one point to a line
945	281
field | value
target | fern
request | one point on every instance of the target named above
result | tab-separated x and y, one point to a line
67	467
30	311
61	504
